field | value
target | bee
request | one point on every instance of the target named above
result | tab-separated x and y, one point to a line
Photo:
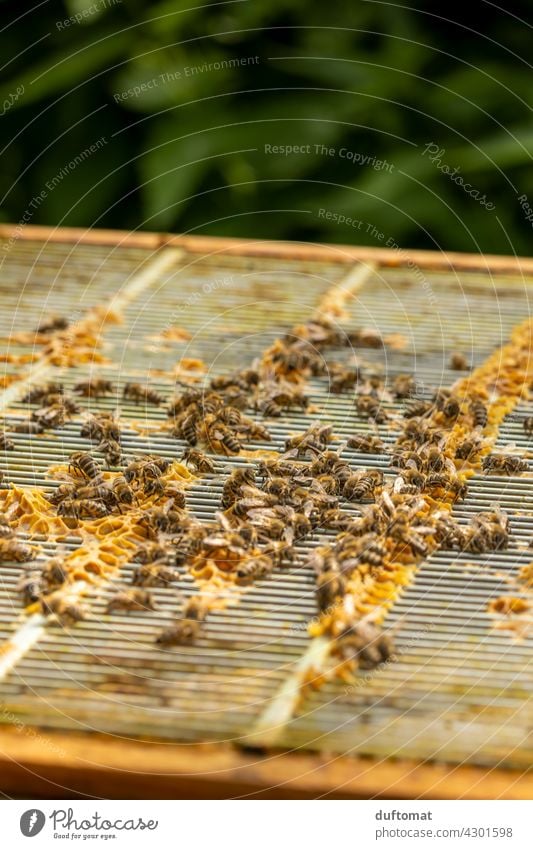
366	444
343	379
458	362
507	464
86	465
150	552
53	324
122	490
410	481
64	490
417	409
63	607
365	644
434	460
447	404
198	461
137	393
142	469
254	569
30	427
278	486
256	431
527	424
88	508
154	574
188	629
30	586
5	443
370	408
479	413
270	408
49	417
188	429
97	491
403	386
101	426
273	467
166	520
94	388
330	587
11	549
405	459
112	451
41	393
469	448
224	436
6	531
54	572
372	550
362	484
329	483
134	599
313	441
233	485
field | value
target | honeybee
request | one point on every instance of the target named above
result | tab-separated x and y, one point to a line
527	424
366	444
94	388
156	573
96	492
122	490
254	569
314	440
141	470
417	409
447	404
30	586
365	644
362	484
198	461
5	443
150	552
255	431
137	393
6	530
82	462
188	629
133	599
410	481
458	362
11	549
28	426
372	550
112	452
64	490
330	586
41	393
233	485
101	426
434	459
53	324
370	408
403	386
285	468
343	379
63	607
54	572
468	448
507	464
166	520
49	417
479	413
87	508
219	434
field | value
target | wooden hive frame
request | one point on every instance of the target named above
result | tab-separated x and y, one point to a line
58	764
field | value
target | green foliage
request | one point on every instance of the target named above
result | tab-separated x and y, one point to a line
186	97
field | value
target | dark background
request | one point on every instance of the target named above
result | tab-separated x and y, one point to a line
379	79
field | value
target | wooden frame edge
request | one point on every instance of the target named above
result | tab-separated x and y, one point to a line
37	762
387	257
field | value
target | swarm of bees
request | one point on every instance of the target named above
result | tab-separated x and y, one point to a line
267	507
55	408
